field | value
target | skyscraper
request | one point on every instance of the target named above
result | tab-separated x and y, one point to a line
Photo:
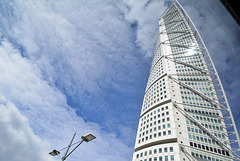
185	114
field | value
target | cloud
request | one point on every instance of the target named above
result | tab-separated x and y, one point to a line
144	13
18	142
45	119
77	45
68	47
84	49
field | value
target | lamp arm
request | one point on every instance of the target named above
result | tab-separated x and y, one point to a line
65	157
69	146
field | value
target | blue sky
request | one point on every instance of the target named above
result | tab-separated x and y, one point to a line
82	66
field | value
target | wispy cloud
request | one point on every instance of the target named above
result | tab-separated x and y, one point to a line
18	142
43	109
83	48
144	14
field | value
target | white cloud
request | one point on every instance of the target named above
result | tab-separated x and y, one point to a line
46	119
83	48
77	45
145	13
18	142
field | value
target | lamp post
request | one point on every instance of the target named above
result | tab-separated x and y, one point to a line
87	137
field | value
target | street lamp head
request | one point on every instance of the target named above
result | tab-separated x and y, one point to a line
88	137
54	152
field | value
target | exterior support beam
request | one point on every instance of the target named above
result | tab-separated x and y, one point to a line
188	116
212	108
210	66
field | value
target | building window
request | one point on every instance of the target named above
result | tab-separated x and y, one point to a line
166	158
160	150
155	151
169	132
160	158
165	149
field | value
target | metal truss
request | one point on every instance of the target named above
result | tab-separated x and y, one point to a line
209	70
210	134
211	108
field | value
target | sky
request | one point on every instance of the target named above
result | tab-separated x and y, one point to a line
82	66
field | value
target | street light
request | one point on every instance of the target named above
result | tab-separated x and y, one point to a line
54	152
87	137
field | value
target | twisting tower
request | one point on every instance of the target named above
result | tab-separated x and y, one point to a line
185	113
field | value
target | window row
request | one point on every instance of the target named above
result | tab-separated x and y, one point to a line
155	151
205	118
183	55
196	98
202	139
204	157
159	134
161	158
202	103
215	150
210	126
200	86
194	79
199	131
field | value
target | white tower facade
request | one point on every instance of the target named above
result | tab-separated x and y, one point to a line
185	114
